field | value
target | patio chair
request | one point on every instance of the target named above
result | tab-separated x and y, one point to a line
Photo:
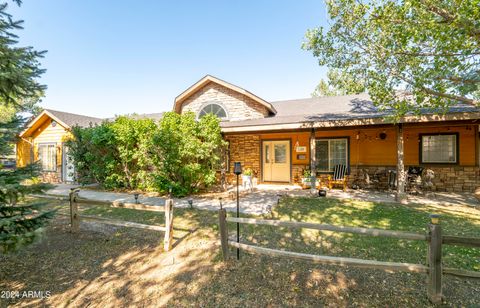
414	179
392	179
339	177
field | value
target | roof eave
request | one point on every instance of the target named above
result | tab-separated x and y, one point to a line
37	118
209	78
351	122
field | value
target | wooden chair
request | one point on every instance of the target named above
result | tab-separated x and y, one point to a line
339	177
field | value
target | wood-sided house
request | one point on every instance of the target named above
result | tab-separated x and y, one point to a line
43	140
279	140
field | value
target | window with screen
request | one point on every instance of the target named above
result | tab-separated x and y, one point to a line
331	152
47	155
439	149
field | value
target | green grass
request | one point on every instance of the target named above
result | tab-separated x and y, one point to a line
414	218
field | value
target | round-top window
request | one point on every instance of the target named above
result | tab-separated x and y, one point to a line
214	109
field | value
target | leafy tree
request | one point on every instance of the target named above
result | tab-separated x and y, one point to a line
94	158
20	222
412	54
186	153
131	140
338	84
179	153
113	154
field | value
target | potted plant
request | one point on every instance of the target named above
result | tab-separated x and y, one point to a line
247	178
307	179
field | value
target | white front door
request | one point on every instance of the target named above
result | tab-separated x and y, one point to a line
276	161
68	168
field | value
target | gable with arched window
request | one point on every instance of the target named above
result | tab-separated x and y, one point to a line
225	100
213	108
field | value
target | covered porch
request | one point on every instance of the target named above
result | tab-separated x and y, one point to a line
448	149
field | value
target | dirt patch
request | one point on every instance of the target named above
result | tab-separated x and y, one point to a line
115	267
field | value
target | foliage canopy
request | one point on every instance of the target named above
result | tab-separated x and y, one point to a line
411	54
178	153
20	222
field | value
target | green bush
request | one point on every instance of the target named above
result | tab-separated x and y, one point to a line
178	153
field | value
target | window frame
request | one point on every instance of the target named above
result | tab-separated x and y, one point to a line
227	116
457	148
39	145
347	138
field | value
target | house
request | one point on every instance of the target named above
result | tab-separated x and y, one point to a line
279	140
43	139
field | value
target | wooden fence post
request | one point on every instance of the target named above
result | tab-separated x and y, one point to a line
167	242
222	215
74	215
434	284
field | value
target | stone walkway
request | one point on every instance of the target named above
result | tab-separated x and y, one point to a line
265	197
257	203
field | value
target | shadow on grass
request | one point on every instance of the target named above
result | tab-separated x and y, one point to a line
111	266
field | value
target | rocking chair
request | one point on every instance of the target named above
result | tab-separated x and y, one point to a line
339	177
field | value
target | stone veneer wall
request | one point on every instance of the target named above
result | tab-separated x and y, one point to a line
244	149
52	177
456	178
238	106
447	178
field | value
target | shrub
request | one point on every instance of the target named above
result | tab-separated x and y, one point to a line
186	152
178	153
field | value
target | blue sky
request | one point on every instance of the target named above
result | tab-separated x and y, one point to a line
117	57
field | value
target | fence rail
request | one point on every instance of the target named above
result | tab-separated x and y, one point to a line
316	226
461	241
392	266
433	237
75	216
121	204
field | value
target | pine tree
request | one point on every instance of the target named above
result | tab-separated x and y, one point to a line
20	222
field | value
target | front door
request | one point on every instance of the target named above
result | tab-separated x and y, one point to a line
68	169
276	161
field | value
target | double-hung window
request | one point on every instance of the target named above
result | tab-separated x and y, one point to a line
439	149
331	152
47	155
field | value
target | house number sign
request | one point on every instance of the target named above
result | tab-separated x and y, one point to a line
301	149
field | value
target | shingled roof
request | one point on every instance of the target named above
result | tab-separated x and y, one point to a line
331	109
72	119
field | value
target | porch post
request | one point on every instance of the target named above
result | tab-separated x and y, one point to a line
401	195
313	162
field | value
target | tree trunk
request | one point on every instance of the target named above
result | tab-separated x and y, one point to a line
401	195
313	162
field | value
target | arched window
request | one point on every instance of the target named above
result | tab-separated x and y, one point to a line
215	109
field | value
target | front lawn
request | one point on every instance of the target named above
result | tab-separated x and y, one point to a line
413	218
115	266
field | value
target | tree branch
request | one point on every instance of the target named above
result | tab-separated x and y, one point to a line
451	18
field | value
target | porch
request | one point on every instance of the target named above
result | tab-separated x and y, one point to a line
448	150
